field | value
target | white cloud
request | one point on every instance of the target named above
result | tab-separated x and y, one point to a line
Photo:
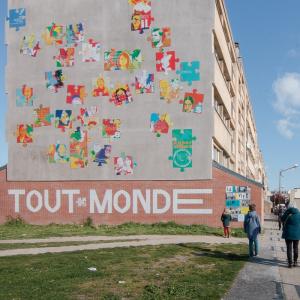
293	53
284	127
287	103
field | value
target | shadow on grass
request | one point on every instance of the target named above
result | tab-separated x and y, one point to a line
201	251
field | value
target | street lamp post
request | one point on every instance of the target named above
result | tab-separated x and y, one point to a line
280	175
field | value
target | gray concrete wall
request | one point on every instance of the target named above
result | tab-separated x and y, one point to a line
191	23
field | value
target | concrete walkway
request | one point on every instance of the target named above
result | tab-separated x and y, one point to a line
126	241
267	276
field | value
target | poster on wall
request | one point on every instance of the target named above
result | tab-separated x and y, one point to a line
237	201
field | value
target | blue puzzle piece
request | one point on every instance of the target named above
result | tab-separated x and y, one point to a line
189	71
17	18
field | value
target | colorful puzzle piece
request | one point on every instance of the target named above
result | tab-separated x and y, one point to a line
78	148
144	83
101	155
122	60
53	34
25	96
88	117
63	119
90	51
182	148
111	128
101	86
124	164
141	18
160	37
169	90
17	18
75	94
24	133
30	45
54	80
42	116
74	34
58	153
189	71
192	102
166	61
160	124
121	95
65	58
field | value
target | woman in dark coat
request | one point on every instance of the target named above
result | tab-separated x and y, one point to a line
291	233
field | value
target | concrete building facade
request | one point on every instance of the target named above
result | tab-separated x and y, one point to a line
134	110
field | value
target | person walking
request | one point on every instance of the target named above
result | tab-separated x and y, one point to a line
291	233
252	228
226	219
280	214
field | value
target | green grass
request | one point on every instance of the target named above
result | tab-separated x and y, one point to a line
15	230
187	271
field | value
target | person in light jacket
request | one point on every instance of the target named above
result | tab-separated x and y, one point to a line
291	233
226	218
252	228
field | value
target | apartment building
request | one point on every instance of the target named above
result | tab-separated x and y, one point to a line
146	119
235	141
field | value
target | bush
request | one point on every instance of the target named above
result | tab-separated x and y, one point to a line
88	222
17	221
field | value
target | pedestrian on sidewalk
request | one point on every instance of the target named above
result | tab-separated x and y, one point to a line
280	214
291	233
252	228
226	219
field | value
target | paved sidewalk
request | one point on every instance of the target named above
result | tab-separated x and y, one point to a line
267	276
128	241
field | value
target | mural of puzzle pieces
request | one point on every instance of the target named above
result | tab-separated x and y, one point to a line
101	155
101	86
189	71
121	95
141	18
166	61
24	96
58	153
182	148
123	164
160	37
160	124
192	102
144	83
169	90
76	94
30	45
111	128
74	34
17	18
90	51
42	116
54	80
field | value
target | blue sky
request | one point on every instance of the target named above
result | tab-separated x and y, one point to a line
269	37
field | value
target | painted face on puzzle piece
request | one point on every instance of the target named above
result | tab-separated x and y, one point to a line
123	61
164	88
27	92
64	119
188	104
136	22
100	83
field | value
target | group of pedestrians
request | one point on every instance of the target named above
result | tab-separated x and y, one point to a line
289	221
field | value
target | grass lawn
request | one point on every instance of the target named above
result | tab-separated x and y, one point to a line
18	230
187	271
